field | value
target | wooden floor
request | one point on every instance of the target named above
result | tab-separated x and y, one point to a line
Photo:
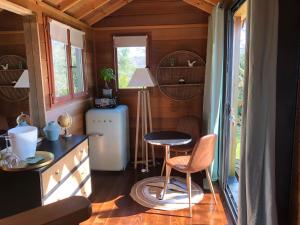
112	204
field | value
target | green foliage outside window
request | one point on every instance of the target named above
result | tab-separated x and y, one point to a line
129	58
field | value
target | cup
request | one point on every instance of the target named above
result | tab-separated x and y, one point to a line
23	141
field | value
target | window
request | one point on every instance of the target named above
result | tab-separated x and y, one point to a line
66	50
131	53
77	70
60	71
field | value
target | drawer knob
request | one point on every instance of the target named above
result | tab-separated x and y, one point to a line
57	172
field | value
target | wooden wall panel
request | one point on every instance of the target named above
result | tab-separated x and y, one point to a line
163	40
12	43
146	12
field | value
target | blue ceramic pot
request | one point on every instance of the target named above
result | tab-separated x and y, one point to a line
52	131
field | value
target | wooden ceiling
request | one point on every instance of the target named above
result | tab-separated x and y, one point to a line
92	11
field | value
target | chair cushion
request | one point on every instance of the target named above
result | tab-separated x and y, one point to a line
179	163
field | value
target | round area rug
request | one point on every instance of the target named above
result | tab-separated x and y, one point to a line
147	191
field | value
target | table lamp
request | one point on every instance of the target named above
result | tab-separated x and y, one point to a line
142	79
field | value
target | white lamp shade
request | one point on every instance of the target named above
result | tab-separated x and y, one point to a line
142	77
23	81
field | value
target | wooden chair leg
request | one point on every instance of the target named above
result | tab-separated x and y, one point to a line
163	167
210	185
189	187
168	172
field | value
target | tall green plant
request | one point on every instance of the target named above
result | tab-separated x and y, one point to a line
107	74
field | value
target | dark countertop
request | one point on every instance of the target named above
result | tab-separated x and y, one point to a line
60	147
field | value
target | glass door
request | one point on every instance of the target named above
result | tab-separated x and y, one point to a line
234	103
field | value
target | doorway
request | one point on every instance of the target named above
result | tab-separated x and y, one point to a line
235	101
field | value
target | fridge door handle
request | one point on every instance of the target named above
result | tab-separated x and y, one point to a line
95	135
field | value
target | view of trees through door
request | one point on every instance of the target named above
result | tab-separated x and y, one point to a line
236	99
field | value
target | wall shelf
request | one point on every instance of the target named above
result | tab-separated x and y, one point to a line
176	79
9	77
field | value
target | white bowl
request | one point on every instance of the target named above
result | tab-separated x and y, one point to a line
23	141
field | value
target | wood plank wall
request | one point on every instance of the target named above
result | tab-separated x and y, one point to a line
179	36
12	43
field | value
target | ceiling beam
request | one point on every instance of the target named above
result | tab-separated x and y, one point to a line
40	8
107	11
52	10
67	4
201	4
12	7
212	2
93	8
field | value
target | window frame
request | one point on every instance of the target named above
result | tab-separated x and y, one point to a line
124	90
54	100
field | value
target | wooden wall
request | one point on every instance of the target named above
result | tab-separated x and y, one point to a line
12	43
175	26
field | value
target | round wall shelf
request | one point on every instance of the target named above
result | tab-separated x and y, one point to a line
180	75
9	76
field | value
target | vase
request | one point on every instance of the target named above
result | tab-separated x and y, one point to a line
52	131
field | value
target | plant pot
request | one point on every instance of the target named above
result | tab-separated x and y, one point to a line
107	93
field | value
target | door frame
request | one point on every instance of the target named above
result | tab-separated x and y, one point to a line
227	94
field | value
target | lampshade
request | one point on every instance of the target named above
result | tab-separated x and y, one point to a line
23	81
142	77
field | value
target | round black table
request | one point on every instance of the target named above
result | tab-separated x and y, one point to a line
167	139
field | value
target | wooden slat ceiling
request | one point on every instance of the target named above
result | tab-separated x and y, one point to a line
92	11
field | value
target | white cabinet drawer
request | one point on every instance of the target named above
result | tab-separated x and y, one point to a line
55	175
86	189
69	186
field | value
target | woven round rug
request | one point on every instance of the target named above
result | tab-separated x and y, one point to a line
147	191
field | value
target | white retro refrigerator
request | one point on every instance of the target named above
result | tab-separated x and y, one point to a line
108	132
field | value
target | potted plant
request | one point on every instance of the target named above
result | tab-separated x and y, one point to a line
107	74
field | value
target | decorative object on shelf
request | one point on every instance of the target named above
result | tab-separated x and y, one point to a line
52	131
183	81
172	61
23	141
4	67
104	103
23	120
11	163
191	64
9	78
107	74
65	121
142	77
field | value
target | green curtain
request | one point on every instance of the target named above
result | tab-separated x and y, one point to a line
212	105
